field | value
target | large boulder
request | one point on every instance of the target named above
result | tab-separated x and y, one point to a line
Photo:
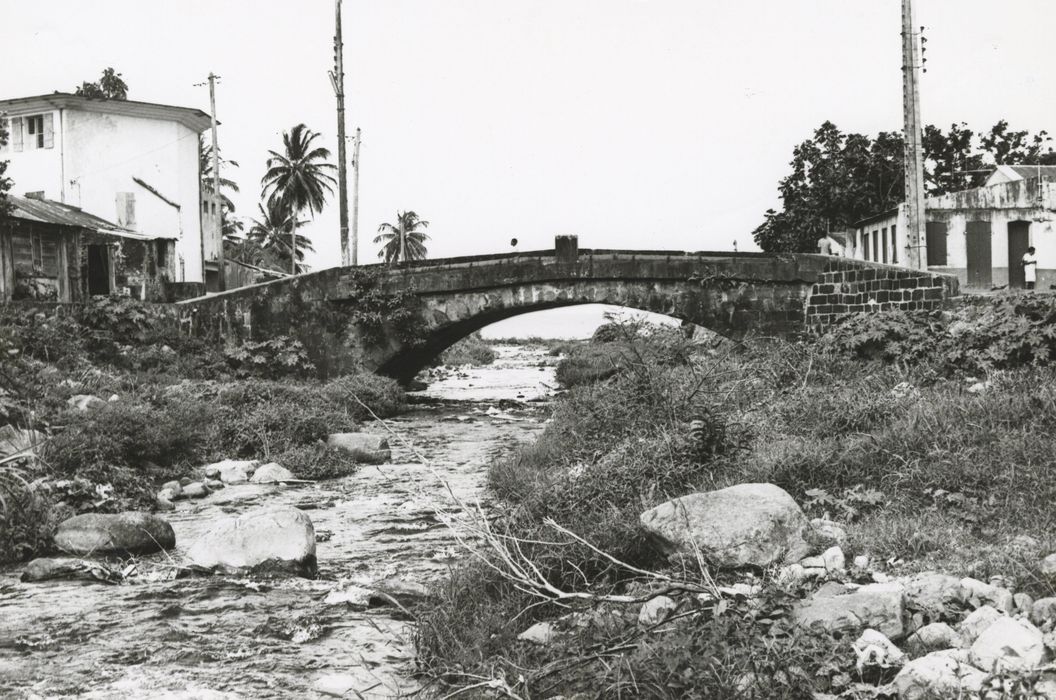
934	637
275	538
1008	645
878	606
362	447
120	533
743	525
940	674
271	473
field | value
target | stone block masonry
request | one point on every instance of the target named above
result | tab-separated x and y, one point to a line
847	287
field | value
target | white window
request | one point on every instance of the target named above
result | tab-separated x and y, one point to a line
33	132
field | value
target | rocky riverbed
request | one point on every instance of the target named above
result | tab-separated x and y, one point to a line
158	636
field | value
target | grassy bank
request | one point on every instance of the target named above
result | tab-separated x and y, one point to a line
169	403
929	436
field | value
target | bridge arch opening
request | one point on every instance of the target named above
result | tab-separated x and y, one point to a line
565	319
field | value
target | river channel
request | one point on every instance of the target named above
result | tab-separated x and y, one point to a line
156	636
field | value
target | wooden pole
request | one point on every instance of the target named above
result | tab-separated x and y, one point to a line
916	241
338	80
218	216
355	198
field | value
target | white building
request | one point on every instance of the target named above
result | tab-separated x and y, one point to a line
980	234
134	163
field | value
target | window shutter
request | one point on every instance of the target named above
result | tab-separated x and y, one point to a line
16	133
126	209
49	130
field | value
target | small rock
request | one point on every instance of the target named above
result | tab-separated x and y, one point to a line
937	597
940	674
270	473
120	533
84	403
791	574
980	593
876	605
861	561
539	633
828	533
977	622
185	480
366	448
1048	565
834	560
350	595
164	504
656	610
230	471
873	650
214	484
66	569
1043	610
979	387
174	486
169	494
1008	644
1024	602
195	489
403	592
933	637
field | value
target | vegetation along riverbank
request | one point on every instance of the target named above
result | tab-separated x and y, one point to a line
873	520
116	401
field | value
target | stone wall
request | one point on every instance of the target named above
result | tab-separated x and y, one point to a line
852	287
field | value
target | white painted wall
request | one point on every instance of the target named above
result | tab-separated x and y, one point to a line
96	156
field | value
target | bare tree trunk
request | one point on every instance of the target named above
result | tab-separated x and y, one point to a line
403	242
293	245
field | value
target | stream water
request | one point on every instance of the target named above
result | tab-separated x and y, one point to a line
229	637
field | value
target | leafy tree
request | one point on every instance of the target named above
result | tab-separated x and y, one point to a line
109	87
1018	147
5	182
230	225
405	236
267	243
298	178
840	178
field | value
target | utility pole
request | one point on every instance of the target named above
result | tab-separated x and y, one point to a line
218	216
337	77
355	198
916	241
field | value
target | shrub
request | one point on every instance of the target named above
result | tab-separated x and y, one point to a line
382	395
471	350
274	358
317	462
26	514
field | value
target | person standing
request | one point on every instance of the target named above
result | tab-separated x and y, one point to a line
1030	268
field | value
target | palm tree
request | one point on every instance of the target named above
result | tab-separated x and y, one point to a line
268	241
298	178
402	241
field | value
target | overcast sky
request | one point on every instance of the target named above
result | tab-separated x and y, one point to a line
632	123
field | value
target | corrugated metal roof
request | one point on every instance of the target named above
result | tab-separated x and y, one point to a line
1029	171
47	211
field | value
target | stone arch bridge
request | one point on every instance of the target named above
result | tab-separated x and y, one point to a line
396	320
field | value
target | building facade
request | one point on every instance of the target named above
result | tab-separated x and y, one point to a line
133	163
980	234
